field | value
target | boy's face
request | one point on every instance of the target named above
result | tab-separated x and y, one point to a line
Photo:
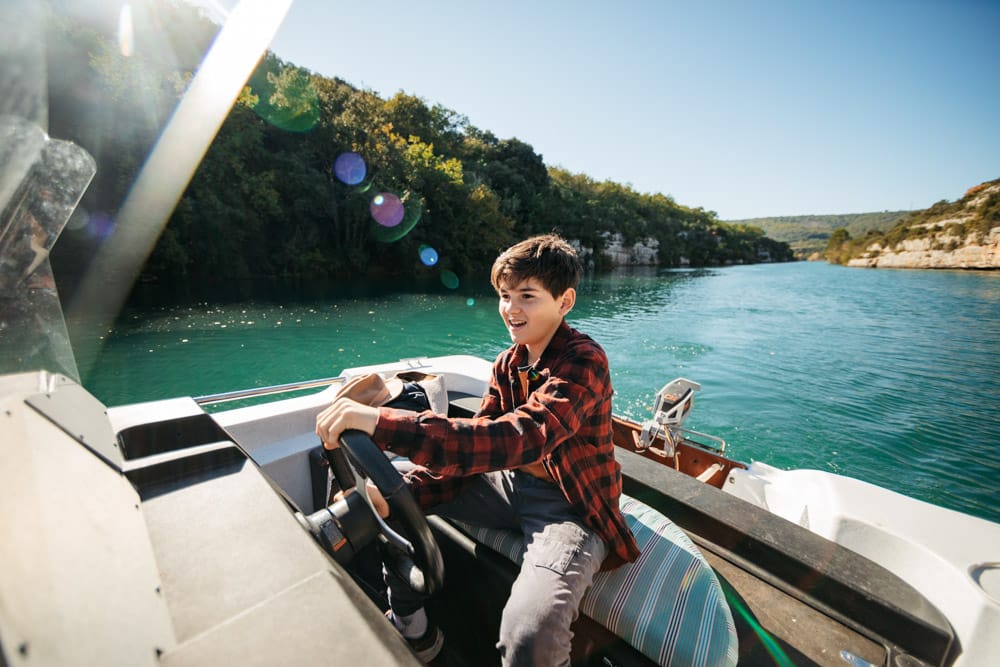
532	314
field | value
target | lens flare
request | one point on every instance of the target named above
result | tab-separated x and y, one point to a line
770	644
449	279
387	209
428	255
413	208
126	31
79	219
286	99
100	225
350	168
470	302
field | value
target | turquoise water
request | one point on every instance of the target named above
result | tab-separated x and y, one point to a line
892	377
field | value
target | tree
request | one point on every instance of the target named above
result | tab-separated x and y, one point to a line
838	247
514	171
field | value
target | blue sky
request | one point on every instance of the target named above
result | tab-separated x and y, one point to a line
748	109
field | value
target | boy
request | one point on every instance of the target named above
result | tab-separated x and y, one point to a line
538	457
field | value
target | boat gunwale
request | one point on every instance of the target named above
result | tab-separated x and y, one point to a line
838	582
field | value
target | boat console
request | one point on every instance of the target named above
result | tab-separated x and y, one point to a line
163	544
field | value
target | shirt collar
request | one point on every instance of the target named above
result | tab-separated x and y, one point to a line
555	346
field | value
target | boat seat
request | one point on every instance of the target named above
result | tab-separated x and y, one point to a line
668	604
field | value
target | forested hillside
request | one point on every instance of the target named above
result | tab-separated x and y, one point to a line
960	234
809	234
313	178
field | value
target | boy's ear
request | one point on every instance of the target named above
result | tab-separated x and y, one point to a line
567	301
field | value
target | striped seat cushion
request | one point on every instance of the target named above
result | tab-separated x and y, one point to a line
668	604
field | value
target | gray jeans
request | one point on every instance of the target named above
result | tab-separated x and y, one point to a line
560	560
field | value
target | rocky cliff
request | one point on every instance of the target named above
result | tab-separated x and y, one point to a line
968	253
641	253
960	235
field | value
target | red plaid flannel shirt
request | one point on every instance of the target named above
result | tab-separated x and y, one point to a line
564	422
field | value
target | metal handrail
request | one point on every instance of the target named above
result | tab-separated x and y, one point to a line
407	364
266	391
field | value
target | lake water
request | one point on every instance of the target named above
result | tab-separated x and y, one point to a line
892	377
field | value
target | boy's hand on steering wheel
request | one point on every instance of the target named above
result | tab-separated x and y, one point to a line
378	501
344	414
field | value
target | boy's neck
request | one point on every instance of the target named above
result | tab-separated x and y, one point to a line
535	352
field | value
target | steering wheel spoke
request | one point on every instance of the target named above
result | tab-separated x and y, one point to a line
417	559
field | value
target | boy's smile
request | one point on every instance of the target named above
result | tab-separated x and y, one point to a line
532	314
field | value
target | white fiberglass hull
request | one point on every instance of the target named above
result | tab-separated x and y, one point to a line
950	557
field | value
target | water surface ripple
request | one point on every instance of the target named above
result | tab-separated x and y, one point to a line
892	377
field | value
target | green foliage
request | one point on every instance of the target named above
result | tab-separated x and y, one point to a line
839	246
808	234
265	202
945	224
989	215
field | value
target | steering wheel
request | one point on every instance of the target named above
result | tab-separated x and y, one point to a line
420	563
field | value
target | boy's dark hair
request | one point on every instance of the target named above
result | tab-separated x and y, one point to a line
547	258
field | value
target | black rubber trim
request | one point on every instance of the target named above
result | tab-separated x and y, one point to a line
169	435
170	475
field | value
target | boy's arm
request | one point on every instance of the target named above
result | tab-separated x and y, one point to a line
429	489
490	406
459	447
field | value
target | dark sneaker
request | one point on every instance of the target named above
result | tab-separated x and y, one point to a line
428	645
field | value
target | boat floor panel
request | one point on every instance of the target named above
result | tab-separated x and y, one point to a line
770	623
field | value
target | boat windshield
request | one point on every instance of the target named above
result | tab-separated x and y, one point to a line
78	164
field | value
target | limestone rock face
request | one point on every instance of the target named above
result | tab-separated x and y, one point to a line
642	253
938	248
926	253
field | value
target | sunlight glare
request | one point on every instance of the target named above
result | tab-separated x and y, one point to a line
214	10
169	167
126	31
